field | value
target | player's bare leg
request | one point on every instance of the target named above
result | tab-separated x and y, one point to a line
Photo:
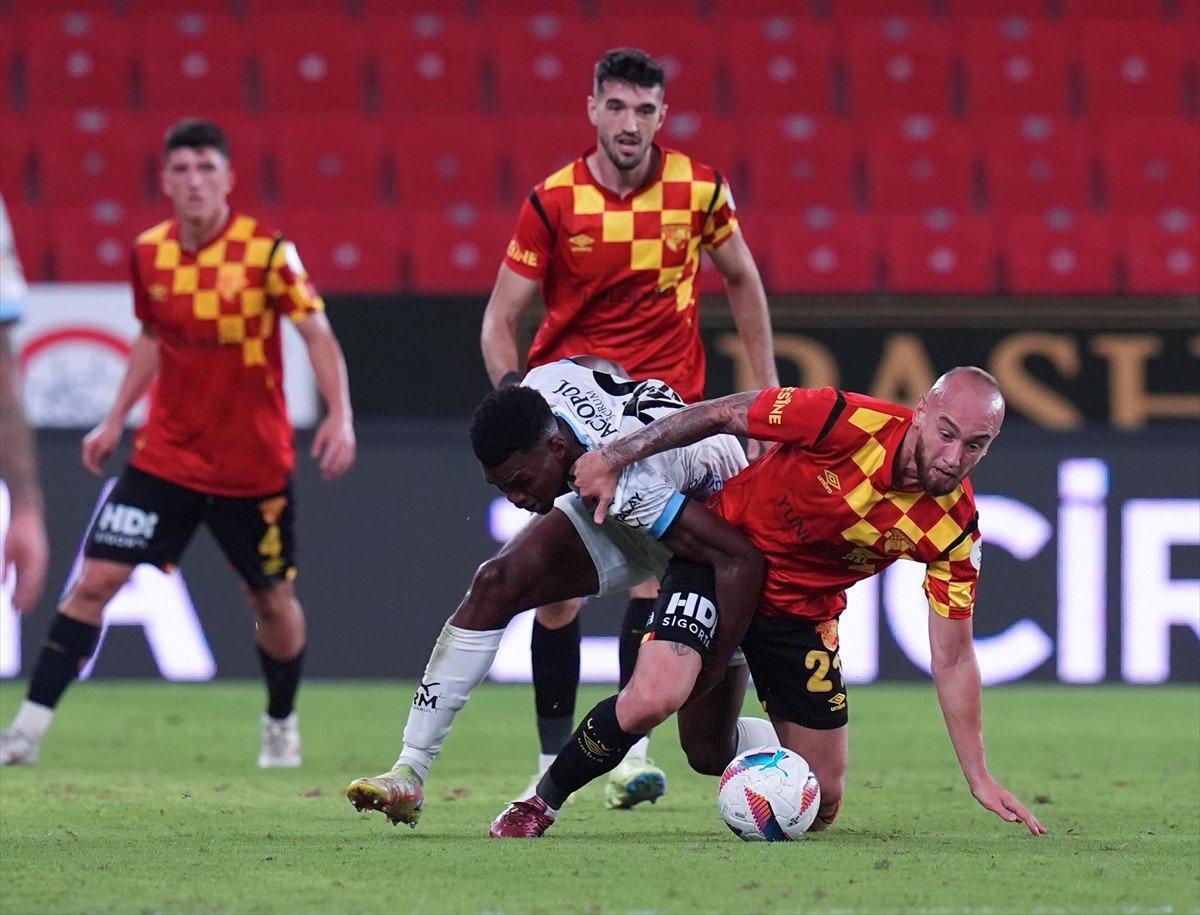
827	753
545	562
280	636
74	634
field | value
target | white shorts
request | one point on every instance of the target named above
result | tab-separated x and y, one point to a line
623	556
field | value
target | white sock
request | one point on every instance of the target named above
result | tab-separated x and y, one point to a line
639	750
544	761
33	720
460	660
755	732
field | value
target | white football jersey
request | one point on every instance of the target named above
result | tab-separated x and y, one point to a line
600	408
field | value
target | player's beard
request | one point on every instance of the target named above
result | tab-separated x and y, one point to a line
615	157
933	484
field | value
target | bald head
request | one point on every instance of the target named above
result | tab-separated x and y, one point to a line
953	426
970	389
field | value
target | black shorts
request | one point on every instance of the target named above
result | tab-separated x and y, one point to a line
685	610
148	519
797	670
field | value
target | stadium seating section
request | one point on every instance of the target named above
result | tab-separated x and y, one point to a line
907	146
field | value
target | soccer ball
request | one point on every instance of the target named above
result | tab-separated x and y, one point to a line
769	794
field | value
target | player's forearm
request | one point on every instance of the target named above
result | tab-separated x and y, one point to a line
498	343
329	370
18	455
683	427
139	373
959	694
751	316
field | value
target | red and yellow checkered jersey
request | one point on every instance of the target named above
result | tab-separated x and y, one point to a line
218	422
619	275
821	506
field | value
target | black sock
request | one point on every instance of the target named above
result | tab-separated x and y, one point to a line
596	747
68	644
555	654
632	629
283	680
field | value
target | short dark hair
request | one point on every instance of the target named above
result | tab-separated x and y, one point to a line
193	133
509	421
629	65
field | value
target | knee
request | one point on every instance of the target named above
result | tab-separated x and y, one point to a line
833	786
557	615
493	599
642	706
95	588
275	604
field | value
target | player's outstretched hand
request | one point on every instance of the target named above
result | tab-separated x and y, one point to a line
596	482
99	444
334	446
26	550
996	798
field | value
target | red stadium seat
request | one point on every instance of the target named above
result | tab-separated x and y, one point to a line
1059	254
546	63
428	63
688	49
782	65
321	161
1162	254
799	161
898	65
881	9
1036	163
34	239
919	162
92	243
1111	9
940	254
78	60
1133	67
124	169
537	145
192	59
997	9
17	165
441	161
313	63
457	251
344	249
1151	164
821	252
1015	65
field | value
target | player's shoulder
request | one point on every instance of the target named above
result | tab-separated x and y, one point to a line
677	164
559	182
155	234
861	406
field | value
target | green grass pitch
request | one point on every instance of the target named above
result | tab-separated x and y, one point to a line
147	800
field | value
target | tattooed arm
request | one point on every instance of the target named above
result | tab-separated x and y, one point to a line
596	472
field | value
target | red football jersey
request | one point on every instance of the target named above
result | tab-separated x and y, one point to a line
218	422
619	275
821	507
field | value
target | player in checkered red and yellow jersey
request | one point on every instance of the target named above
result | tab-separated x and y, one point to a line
210	287
214	313
619	272
614	242
854	484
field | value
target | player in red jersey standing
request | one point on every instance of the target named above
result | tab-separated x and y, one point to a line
855	484
614	241
210	287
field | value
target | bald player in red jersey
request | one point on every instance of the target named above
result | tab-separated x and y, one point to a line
854	485
614	241
210	288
